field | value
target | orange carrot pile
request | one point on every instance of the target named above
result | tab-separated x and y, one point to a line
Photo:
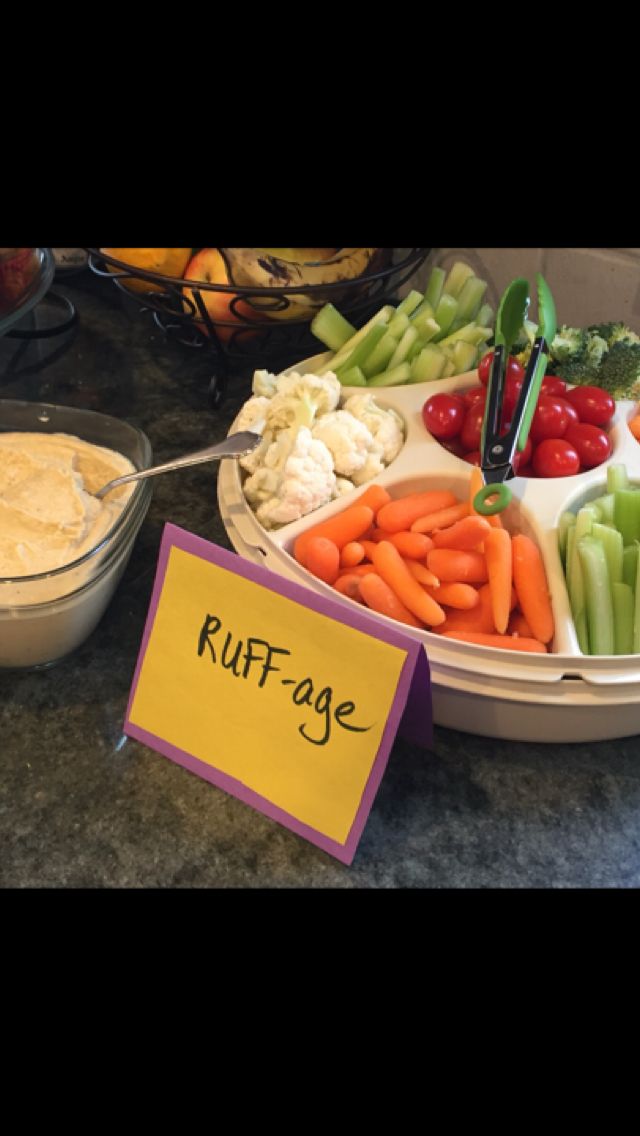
431	562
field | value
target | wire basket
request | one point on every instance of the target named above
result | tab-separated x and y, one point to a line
251	337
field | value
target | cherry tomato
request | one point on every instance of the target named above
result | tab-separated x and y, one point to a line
549	419
443	415
475	394
590	443
594	405
553	386
523	458
454	446
525	471
474	457
514	370
510	398
472	427
555	457
572	413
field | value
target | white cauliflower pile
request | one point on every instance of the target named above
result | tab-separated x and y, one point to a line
312	450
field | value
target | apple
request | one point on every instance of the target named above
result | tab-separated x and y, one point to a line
208	267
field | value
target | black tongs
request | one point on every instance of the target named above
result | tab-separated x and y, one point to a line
498	448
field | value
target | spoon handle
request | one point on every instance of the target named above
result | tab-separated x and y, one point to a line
233	447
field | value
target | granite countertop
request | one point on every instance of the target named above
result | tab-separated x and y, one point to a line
83	806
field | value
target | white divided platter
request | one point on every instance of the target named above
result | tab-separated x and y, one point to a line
563	696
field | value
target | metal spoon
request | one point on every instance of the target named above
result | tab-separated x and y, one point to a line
233	447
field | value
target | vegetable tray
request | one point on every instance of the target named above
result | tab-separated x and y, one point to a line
561	696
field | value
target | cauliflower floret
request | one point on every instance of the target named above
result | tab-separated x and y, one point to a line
253	415
300	399
264	384
350	441
385	425
343	486
371	468
252	461
296	478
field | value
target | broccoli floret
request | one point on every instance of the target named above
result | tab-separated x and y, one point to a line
568	343
619	372
614	333
578	370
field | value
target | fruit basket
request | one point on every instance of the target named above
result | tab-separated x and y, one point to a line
36	286
562	696
265	325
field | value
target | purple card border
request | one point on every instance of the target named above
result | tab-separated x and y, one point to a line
174	536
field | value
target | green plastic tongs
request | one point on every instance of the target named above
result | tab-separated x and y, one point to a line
498	450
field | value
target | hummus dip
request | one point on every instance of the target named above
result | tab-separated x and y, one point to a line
48	516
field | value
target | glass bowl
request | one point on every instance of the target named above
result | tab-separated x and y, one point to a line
44	617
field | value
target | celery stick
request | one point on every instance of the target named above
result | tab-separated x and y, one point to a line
410	303
353	377
458	275
445	314
597	587
428	365
331	328
636	613
465	356
575	577
626	514
612	543
392	378
605	505
582	631
379	358
449	368
617	478
469	333
359	353
423	309
470	297
435	287
623	615
426	327
566	521
398	324
630	564
408	340
485	316
341	356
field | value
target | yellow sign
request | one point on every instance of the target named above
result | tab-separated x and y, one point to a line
247	674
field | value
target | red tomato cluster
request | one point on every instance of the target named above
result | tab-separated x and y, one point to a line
568	428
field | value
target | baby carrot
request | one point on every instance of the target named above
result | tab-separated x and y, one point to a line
478	619
375	496
421	573
341	529
497	551
475	485
441	519
368	547
322	559
381	598
454	567
462	597
518	625
508	642
399	515
349	585
357	570
413	545
352	553
390	565
465	535
532	589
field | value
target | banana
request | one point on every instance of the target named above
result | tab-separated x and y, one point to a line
249	268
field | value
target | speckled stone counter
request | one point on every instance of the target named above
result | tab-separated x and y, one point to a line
83	806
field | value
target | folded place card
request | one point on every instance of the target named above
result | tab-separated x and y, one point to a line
284	698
